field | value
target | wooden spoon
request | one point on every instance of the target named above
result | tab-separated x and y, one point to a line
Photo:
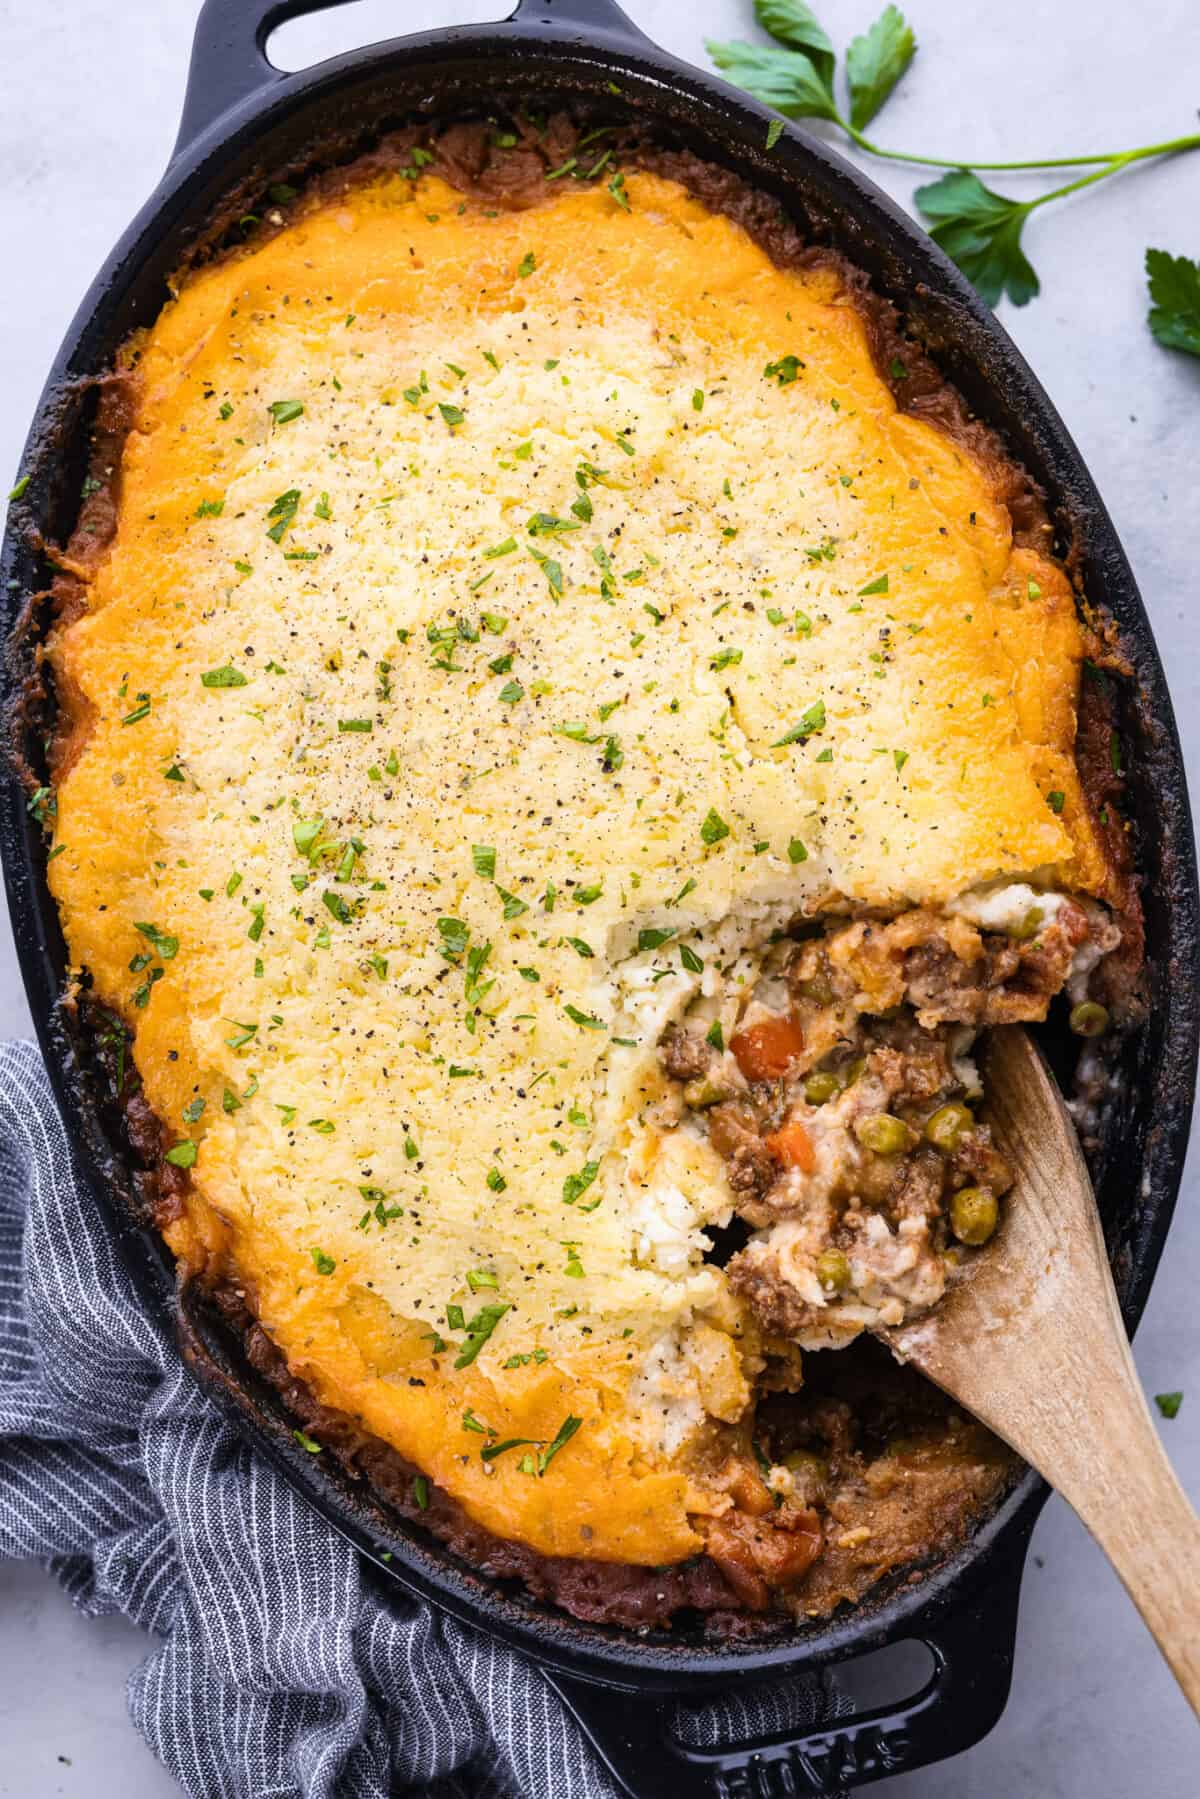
1031	1341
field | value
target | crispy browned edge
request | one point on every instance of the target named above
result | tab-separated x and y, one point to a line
514	176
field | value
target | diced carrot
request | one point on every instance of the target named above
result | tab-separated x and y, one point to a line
767	1050
793	1146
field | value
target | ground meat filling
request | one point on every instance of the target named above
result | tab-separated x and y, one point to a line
843	1102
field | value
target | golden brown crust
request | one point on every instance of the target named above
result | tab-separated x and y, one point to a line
515	176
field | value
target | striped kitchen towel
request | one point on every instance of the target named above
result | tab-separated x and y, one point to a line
281	1667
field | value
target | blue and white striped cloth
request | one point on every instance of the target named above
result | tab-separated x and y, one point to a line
279	1669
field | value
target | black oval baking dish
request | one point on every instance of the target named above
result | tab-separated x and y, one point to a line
242	121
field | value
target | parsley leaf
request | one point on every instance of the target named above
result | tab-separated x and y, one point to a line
284	411
1174	316
223	677
714	827
479	1329
1168	1403
565	1432
812	720
577	1184
875	62
785	79
792	23
166	945
981	231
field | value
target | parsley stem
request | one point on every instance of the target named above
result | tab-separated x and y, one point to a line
1110	159
1113	166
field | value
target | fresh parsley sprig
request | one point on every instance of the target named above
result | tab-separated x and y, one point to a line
1174	283
978	228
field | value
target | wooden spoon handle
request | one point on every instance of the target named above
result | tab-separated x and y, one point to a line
1034	1344
1143	1521
1134	1506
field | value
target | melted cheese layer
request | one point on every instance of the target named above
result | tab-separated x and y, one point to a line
490	591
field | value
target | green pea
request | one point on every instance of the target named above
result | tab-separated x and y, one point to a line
974	1215
702	1093
833	1271
807	1467
947	1125
821	1086
886	1135
850	1073
1029	926
1089	1019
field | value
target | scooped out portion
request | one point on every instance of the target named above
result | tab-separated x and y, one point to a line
840	1092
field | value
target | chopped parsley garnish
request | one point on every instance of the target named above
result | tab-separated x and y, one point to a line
878	585
726	658
565	1432
527	264
784	371
797	851
586	1020
492	1450
513	907
210	509
714	827
166	945
321	1262
223	677
478	1330
453	415
244	1034
715	1036
1168	1403
337	906
1056	801
812	720
283	514
284	411
483	856
652	938
580	947
420	1489
550	568
511	692
577	1184
455	936
691	961
182	1155
307	1442
496	1180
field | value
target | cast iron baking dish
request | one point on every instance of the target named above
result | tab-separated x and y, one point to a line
243	121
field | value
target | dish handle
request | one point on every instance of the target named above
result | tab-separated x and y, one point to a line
972	1648
229	50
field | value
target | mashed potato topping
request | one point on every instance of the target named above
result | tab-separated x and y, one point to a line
515	620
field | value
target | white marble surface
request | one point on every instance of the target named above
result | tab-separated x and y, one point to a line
90	96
